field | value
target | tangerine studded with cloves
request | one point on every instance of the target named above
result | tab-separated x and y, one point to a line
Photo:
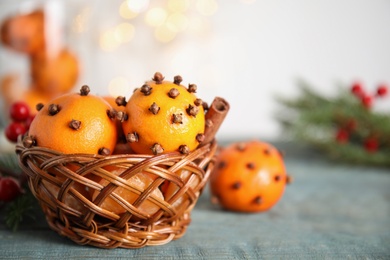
248	177
74	123
164	116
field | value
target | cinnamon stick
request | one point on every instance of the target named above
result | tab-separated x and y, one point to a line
215	116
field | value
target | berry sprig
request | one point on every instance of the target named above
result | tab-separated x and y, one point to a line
21	119
16	204
367	99
346	130
345	126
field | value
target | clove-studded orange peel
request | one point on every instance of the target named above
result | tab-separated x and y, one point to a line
248	177
74	123
163	116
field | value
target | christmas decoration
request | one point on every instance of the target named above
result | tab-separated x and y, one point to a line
16	201
346	126
21	118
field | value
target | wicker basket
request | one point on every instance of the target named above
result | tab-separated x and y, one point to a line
54	179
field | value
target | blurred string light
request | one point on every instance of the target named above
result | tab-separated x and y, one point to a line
168	19
177	22
156	16
137	6
125	12
113	37
178	5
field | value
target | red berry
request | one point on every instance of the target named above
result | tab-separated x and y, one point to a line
357	89
367	101
19	111
9	189
371	145
14	130
342	136
381	91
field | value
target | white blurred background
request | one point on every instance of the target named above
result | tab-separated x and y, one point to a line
247	51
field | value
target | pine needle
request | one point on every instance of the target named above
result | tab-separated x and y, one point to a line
315	119
18	210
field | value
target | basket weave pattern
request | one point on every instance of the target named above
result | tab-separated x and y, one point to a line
54	179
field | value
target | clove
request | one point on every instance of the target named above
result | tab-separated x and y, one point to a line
184	149
192	88
158	78
146	89
236	185
157	149
29	141
154	108
251	165
122	116
132	137
39	106
111	113
75	124
53	109
177	79
121	101
177	118
104	151
198	102
84	91
200	137
192	110
173	93
258	200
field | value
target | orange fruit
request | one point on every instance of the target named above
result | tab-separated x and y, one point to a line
171	189
25	32
248	177
164	116
130	193
75	123
69	199
54	74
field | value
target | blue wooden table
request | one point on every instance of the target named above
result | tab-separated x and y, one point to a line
331	211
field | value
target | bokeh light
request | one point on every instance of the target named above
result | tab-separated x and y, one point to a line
108	41
125	12
124	32
167	18
137	6
155	16
164	33
178	5
177	22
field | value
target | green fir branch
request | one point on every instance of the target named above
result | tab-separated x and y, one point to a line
19	210
23	207
315	119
